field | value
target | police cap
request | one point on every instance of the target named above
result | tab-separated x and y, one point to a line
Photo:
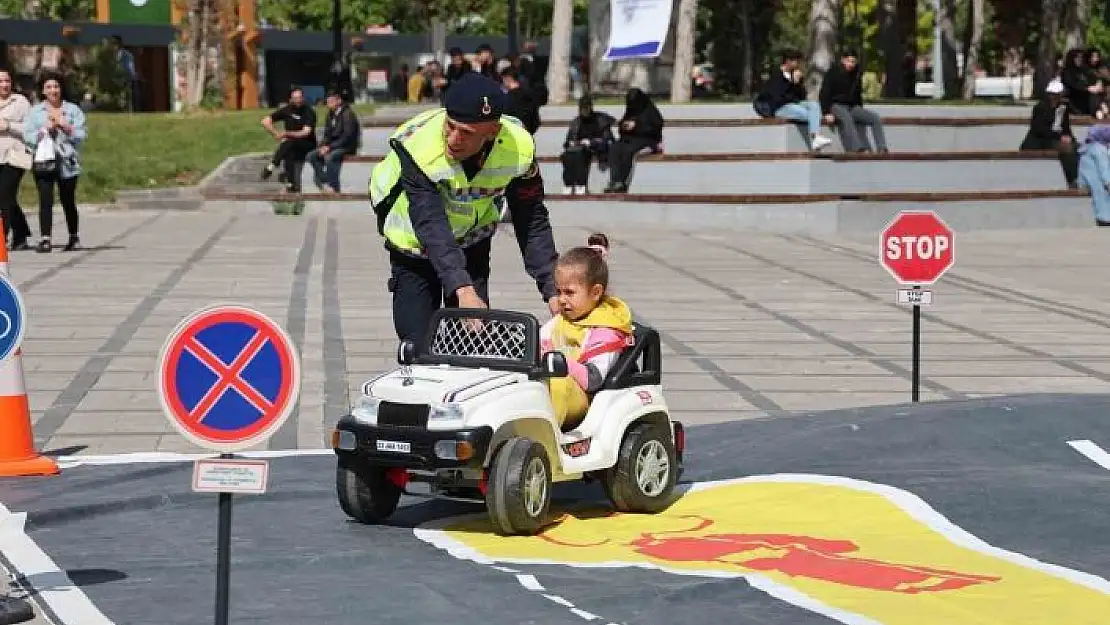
475	98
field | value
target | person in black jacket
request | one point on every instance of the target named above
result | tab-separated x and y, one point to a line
641	128
590	134
524	101
842	103
341	137
784	96
1050	129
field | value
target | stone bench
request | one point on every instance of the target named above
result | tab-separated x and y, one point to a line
904	134
798	173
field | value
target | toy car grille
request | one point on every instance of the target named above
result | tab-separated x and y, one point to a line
403	415
488	338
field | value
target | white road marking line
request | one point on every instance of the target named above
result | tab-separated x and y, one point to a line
505	569
153	457
584	614
529	581
559	600
1093	452
49	583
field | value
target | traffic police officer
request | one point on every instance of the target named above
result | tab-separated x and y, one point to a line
434	195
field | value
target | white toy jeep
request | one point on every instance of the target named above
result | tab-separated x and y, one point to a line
468	417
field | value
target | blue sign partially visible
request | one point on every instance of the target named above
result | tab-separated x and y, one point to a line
13	318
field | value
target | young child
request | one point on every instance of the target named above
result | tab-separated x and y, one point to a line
592	329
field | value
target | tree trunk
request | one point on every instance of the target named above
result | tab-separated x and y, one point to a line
750	72
949	45
823	28
890	43
1078	18
558	71
973	42
1046	51
684	36
196	51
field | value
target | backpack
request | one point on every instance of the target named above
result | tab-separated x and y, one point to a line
762	106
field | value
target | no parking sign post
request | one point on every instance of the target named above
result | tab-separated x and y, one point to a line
229	377
917	247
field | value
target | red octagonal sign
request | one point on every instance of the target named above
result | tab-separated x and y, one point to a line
917	247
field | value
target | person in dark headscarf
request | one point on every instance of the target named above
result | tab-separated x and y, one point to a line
590	134
1084	91
641	129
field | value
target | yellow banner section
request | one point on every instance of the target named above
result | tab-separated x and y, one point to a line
858	552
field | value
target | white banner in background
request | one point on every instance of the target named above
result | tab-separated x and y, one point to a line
637	28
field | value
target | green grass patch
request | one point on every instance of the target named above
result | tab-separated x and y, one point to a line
152	150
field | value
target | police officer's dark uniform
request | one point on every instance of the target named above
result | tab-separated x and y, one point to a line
439	216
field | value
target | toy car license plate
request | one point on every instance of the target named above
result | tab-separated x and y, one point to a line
403	448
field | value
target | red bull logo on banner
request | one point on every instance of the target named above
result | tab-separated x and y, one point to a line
856	552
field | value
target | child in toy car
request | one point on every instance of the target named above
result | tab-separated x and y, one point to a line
592	328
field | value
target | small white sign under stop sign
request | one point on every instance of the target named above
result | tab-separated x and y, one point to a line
909	297
910	247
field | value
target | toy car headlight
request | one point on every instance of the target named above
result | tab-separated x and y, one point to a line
366	409
445	412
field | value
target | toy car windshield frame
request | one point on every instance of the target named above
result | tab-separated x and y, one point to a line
507	341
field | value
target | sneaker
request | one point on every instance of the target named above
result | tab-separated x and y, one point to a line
569	190
44	247
582	190
267	171
73	244
820	143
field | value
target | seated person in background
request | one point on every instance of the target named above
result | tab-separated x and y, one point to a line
297	140
341	137
591	329
842	103
1094	171
524	102
641	129
1050	129
590	134
1084	90
784	96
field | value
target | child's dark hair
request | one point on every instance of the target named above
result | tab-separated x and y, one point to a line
591	258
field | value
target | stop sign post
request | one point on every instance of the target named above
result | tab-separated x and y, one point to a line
917	248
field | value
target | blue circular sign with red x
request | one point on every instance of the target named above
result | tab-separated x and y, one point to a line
228	377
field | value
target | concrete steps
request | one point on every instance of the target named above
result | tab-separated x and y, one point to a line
799	213
799	174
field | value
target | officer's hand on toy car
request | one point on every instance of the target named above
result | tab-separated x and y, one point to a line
469	298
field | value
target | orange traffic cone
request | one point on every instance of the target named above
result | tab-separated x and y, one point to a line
17	439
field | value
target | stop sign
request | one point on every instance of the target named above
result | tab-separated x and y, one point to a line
917	247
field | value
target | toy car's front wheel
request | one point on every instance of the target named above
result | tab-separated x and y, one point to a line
518	494
645	473
366	493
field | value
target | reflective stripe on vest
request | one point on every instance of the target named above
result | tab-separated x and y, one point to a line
469	204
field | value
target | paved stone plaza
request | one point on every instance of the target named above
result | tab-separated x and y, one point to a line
752	324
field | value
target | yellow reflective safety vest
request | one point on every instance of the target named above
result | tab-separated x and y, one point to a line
469	204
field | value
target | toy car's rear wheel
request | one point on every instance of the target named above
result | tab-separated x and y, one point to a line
645	473
366	493
518	495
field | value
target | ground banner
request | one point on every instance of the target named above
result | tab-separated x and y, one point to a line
637	28
139	11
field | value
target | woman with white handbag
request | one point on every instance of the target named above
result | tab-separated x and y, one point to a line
15	159
53	131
